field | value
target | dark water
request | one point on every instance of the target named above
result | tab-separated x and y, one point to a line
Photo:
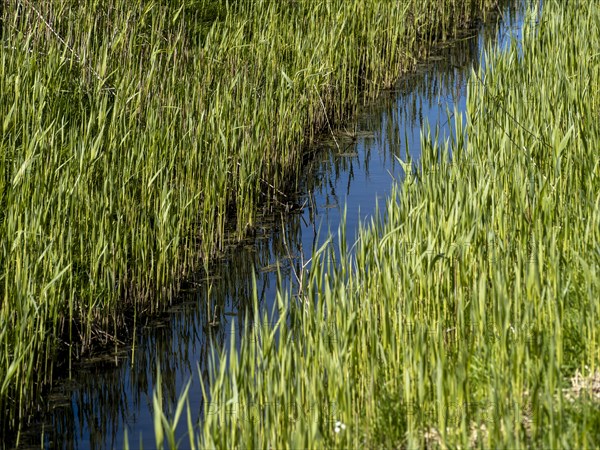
350	174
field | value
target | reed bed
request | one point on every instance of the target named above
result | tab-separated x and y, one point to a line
466	316
133	132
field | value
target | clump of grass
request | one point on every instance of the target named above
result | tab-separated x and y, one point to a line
463	315
132	132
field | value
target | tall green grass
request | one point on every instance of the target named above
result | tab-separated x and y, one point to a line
468	315
133	131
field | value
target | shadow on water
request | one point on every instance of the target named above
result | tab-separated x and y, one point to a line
351	171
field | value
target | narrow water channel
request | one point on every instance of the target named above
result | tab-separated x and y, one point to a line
351	172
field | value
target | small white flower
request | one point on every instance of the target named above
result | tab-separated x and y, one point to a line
339	426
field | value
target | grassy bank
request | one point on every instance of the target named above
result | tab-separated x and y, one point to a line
468	316
132	132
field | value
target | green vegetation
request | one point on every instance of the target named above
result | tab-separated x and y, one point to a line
133	131
468	316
